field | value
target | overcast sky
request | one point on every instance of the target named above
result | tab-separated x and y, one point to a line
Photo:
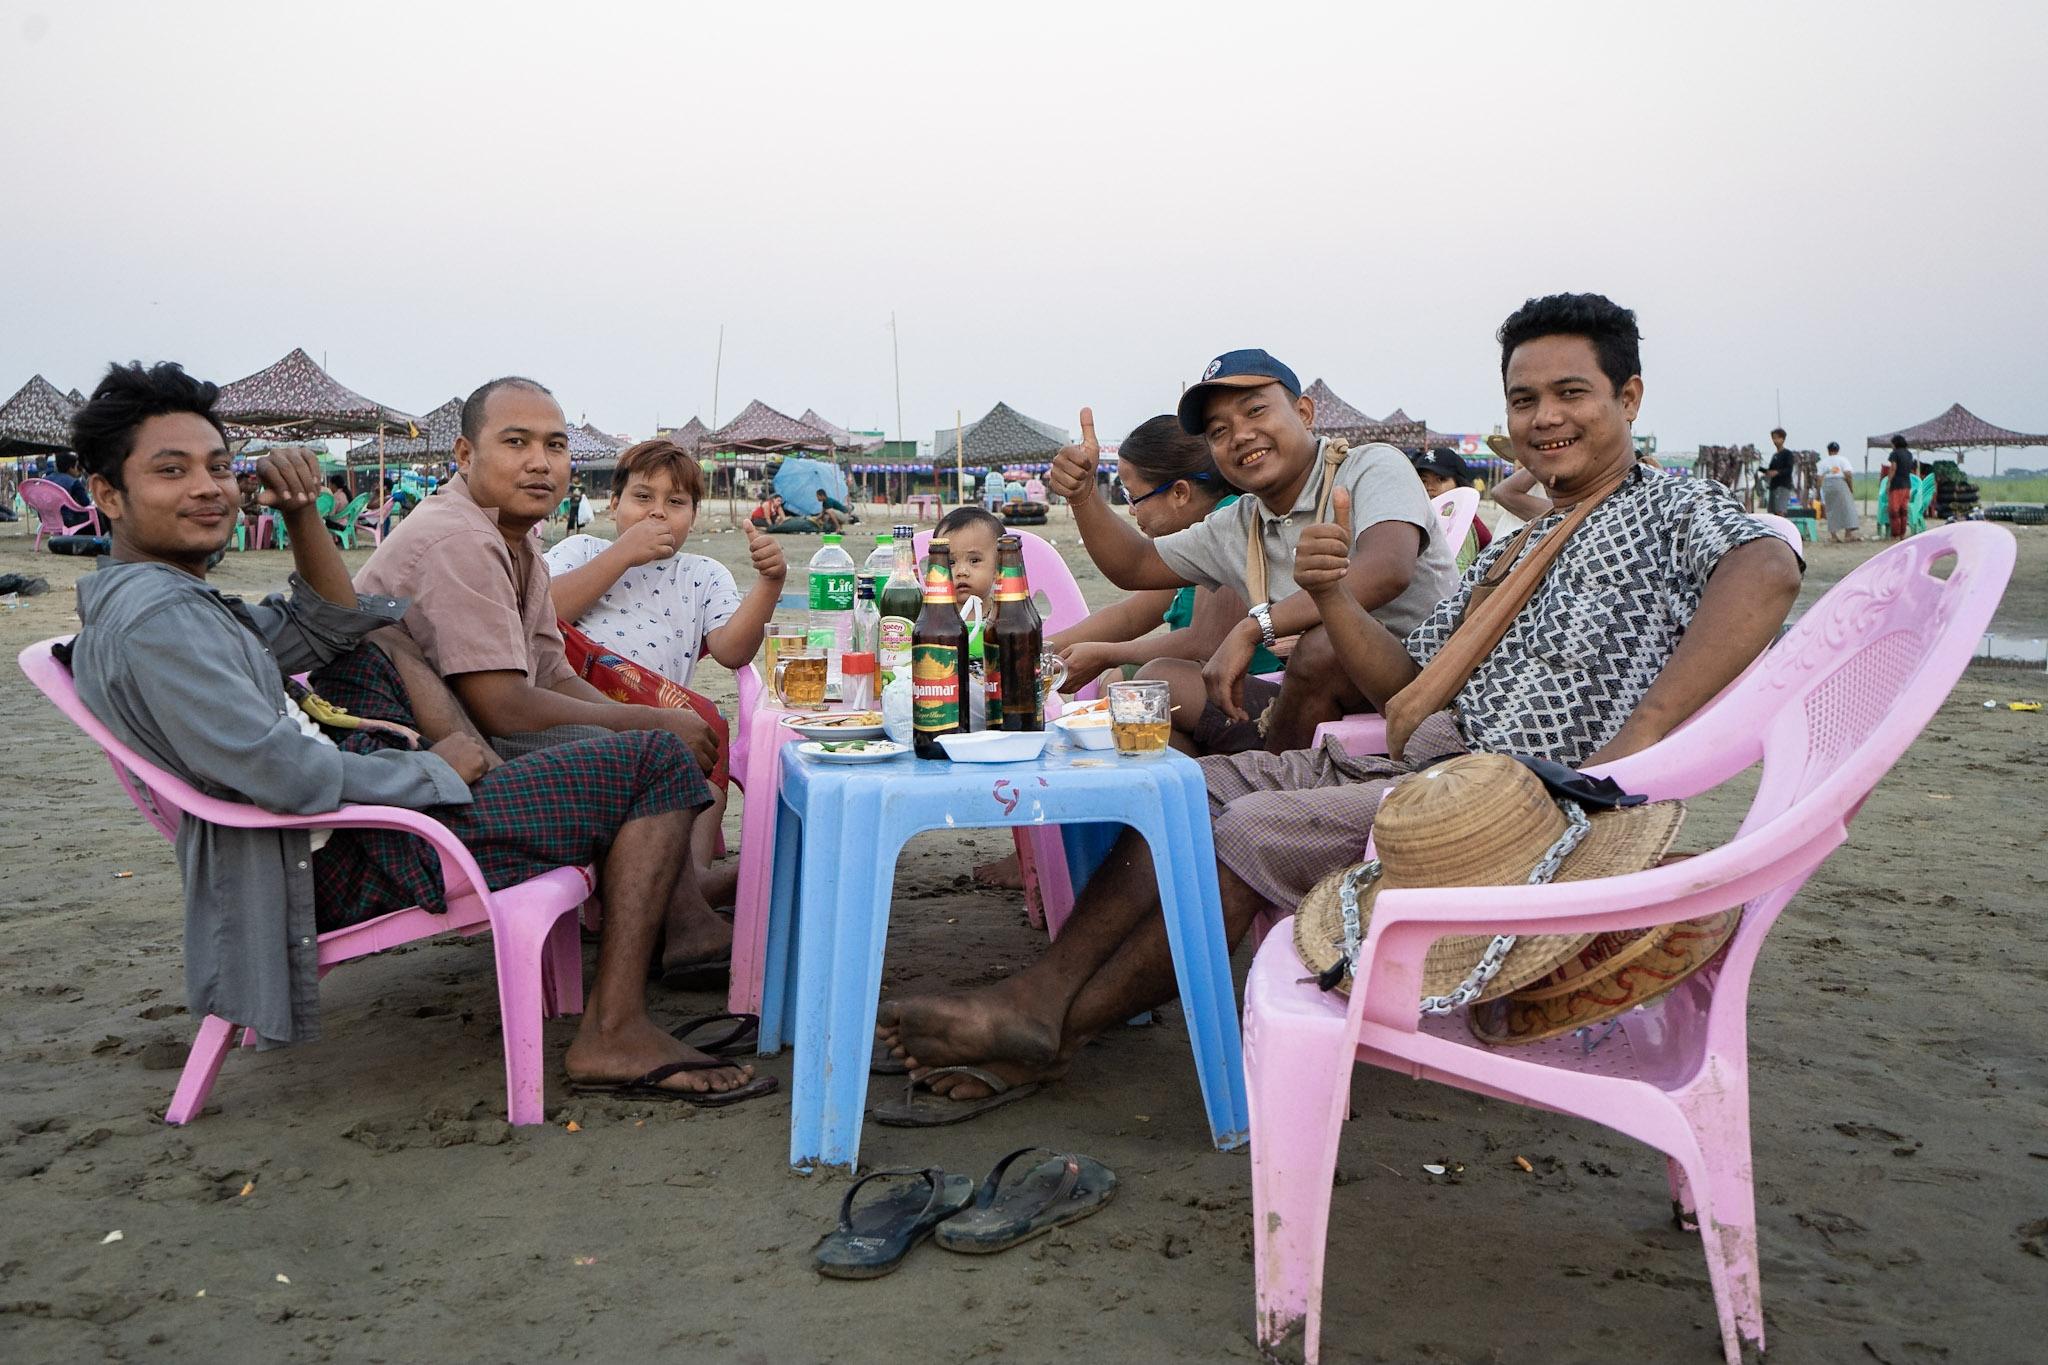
1836	207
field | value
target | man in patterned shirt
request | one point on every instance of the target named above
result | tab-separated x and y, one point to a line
1659	598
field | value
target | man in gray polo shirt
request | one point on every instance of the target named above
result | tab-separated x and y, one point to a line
1249	407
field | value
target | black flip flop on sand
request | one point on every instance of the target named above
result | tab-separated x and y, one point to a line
873	1240
650	1087
1052	1194
705	974
935	1111
733	1042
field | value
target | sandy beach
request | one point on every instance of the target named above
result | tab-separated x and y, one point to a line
362	1199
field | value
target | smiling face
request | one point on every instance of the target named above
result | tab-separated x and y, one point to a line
1260	440
179	501
1568	423
519	462
1161	512
654	494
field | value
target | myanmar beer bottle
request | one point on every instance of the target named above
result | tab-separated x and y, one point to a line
1018	639
938	655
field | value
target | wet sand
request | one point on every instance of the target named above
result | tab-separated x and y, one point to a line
1901	1130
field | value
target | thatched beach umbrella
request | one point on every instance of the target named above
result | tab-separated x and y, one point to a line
295	398
1958	429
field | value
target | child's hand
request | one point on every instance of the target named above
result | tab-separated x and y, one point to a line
767	555
647	541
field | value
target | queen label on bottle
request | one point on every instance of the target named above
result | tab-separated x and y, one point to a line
937	650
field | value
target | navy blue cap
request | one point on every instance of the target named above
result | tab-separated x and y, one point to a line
1232	370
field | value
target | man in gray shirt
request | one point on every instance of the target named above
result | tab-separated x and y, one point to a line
196	681
1249	407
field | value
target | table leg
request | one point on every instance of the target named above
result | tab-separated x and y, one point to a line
778	994
1190	903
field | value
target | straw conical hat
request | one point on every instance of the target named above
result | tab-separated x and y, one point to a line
1481	820
1613	975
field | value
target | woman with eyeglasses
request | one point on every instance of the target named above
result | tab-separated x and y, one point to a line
1170	482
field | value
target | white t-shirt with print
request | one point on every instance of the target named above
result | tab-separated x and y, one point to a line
1836	466
656	614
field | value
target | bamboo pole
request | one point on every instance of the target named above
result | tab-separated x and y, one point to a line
959	456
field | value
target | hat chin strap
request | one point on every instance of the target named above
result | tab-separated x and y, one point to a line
1488	967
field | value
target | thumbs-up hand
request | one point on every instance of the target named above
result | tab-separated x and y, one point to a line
1323	555
766	554
1072	475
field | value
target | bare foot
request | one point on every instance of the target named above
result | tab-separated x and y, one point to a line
692	937
720	882
1004	873
972	1028
600	1058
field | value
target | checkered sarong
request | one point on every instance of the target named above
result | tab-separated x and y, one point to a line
556	807
1283	822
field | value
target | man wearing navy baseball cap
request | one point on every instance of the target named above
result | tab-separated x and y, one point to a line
1249	407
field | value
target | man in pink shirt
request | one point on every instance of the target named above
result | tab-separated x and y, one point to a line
483	618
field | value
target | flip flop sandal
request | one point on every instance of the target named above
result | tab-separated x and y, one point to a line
886	1063
937	1111
1052	1194
873	1240
731	1043
709	973
650	1087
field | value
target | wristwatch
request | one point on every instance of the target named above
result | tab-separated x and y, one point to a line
1263	614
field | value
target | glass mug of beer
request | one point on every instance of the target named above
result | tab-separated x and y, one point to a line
799	678
780	638
1140	717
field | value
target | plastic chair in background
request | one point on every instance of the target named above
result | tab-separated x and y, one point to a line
348	521
1889	640
1916	509
48	500
533	925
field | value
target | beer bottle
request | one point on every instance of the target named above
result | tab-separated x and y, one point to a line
898	598
1017	639
938	655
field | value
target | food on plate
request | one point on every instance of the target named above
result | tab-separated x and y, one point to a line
851	720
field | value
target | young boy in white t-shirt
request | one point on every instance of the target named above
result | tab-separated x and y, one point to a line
641	597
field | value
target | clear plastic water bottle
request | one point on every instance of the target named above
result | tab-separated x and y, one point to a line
829	623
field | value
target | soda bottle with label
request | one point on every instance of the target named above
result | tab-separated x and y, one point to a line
898	598
938	657
1016	640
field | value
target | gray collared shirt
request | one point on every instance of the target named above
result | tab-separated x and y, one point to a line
1383	487
194	681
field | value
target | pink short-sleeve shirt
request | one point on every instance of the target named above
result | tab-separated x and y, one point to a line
472	610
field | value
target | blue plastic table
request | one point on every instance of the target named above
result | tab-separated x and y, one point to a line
840	829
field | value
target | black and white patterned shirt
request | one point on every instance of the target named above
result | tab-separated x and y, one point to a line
1604	621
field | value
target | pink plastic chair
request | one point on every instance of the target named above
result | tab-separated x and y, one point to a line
48	500
533	925
1889	640
1366	732
1455	511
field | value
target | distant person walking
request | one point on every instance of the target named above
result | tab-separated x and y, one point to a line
1838	495
1781	470
1898	477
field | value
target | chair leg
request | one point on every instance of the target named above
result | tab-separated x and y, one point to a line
758	814
1300	1082
519	940
1723	1190
565	967
202	1065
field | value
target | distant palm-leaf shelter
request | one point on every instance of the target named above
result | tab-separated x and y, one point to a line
295	397
37	419
1337	418
436	440
689	436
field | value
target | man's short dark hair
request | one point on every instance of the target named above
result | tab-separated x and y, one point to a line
67	462
473	406
103	431
1777	431
1599	319
1834	445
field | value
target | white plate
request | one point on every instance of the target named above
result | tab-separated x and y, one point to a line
807	725
877	751
994	746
